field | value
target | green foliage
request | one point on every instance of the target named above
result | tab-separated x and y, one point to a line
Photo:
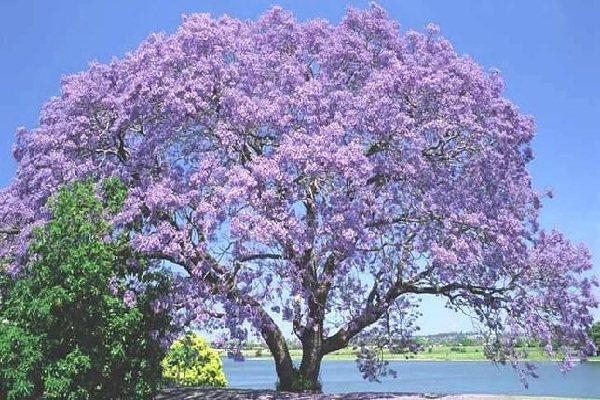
65	332
466	341
595	335
115	193
399	350
191	362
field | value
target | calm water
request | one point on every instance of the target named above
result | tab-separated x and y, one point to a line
432	376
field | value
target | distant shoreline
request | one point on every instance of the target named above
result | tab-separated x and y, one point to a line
594	360
350	357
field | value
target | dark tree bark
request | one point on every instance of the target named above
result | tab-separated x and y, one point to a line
280	352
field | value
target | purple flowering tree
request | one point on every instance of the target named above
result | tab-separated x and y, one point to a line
331	174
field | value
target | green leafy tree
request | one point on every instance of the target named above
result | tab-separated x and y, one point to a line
80	319
595	335
467	341
191	362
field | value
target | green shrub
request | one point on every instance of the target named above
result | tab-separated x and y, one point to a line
65	332
191	362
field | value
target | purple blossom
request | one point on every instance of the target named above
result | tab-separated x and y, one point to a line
130	299
112	285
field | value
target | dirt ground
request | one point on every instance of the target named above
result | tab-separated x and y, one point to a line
241	394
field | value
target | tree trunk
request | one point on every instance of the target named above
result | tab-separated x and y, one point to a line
281	355
312	355
285	373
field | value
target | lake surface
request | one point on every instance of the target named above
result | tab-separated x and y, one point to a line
432	377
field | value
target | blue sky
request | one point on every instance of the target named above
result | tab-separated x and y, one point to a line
547	50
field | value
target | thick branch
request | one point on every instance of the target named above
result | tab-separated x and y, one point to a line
374	310
343	336
254	257
451	287
325	286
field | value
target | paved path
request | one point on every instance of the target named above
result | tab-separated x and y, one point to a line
243	394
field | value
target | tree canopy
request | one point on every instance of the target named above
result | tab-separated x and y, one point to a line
331	174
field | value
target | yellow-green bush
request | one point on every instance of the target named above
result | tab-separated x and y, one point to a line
191	362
